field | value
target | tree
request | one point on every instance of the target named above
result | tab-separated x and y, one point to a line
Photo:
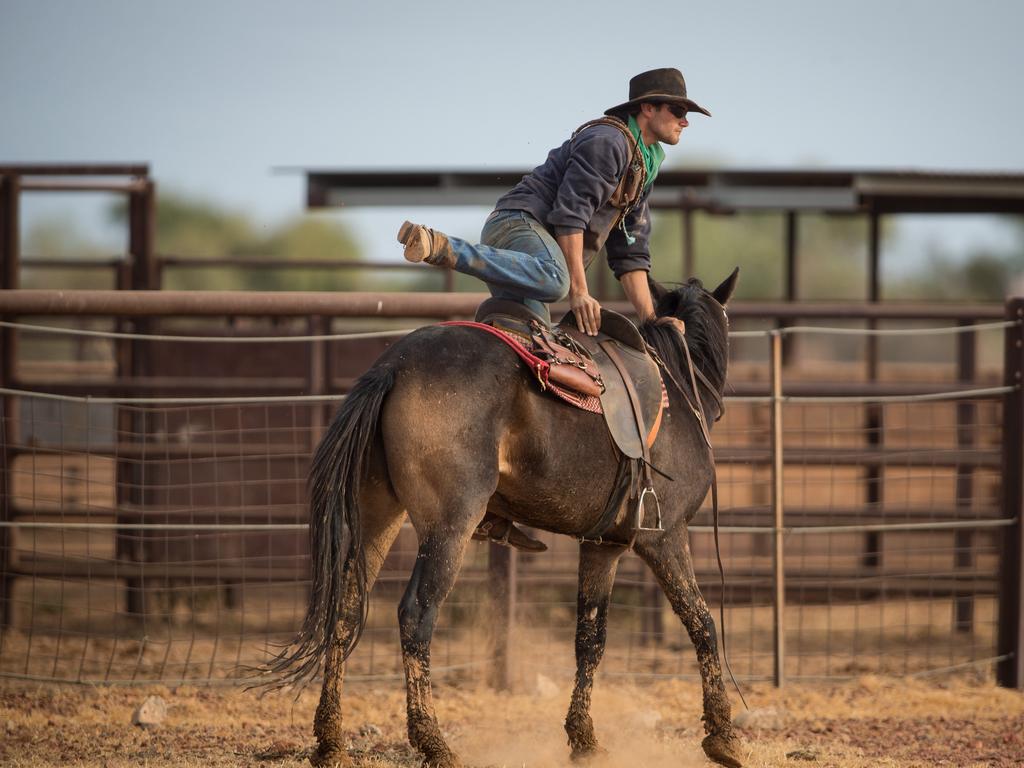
186	227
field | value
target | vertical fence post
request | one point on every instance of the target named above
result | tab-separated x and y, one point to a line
6	510
791	281
319	378
874	416
8	279
652	626
141	236
687	233
1010	671
963	540
133	363
778	550
502	572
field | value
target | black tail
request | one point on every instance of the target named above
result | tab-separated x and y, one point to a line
336	542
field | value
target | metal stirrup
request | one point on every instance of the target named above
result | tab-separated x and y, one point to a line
640	510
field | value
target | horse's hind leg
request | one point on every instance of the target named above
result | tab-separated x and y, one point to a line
669	558
437	564
382	518
596	576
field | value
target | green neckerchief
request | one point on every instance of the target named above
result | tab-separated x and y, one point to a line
653	155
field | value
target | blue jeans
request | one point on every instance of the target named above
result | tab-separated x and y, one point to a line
518	259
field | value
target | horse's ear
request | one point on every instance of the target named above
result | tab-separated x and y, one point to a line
723	292
658	291
665	301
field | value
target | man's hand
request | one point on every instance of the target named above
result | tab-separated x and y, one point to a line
587	310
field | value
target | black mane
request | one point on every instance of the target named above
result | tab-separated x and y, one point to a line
706	333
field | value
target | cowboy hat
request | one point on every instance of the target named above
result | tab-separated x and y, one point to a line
661	85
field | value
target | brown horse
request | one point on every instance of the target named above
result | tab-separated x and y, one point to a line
448	425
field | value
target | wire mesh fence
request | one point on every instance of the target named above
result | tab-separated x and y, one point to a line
165	539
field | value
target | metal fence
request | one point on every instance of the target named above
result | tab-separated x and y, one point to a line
867	526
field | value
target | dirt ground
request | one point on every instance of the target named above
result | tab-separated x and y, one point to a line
870	721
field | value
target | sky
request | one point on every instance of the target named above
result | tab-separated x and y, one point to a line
221	97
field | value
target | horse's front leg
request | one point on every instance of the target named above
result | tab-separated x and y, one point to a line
437	564
668	555
596	576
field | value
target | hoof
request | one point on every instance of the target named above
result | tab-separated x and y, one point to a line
585	754
723	750
330	757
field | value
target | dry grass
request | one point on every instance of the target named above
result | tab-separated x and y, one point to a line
870	721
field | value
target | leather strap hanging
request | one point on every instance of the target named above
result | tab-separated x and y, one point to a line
630	188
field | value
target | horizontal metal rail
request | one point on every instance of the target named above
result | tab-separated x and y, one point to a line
75	169
125	187
27	524
949	525
37	262
962	394
49	329
173	400
66	511
237	303
792	330
257	262
950	330
408	304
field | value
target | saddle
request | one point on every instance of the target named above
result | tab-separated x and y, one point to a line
611	373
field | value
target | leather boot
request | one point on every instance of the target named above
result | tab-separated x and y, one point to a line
426	244
504	532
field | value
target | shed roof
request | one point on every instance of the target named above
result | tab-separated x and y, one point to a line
716	190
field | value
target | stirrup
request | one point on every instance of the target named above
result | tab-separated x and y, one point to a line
640	511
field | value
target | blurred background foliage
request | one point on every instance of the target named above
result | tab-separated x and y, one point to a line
832	254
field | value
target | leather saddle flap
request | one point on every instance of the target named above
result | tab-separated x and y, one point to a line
628	435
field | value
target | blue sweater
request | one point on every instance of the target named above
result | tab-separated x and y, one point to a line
570	193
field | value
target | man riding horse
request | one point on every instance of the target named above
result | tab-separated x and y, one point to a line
591	192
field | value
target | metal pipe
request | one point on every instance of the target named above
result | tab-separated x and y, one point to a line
126	187
778	551
77	169
817	530
36	262
790	281
404	304
9	273
238	303
1010	671
689	255
502	573
966	422
251	262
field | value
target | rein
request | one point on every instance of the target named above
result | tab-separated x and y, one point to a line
698	411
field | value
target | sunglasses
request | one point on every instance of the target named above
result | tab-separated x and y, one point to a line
677	111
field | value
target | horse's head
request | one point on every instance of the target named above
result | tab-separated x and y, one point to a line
706	323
